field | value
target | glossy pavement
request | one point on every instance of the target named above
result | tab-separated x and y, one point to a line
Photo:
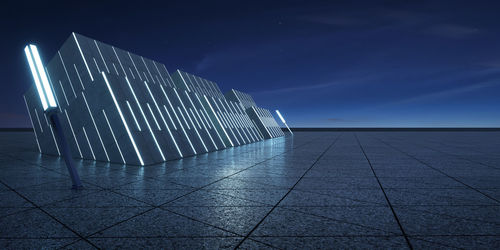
317	190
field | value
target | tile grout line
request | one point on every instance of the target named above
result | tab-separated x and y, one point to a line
48	214
284	196
385	195
440	171
195	190
455	156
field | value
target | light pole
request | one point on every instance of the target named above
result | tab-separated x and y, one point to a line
283	120
49	105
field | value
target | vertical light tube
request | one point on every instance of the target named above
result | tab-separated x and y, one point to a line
123	119
83	57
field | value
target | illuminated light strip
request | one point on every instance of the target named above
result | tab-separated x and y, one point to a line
133	115
65	70
38	118
97	46
53	90
73	132
99	69
32	125
145	76
114	138
114	66
78	74
145	119
207	119
180	73
230	122
242	124
261	121
203	112
223	119
246	119
166	125
90	146
178	120
123	119
152	133
119	61
133	63
157	78
148	69
170	117
36	78
96	129
184	118
215	115
133	76
205	129
171	81
159	73
234	114
209	135
156	104
195	119
83	57
208	124
261	135
154	117
43	76
189	117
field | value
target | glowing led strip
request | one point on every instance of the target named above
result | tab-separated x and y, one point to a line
180	73
36	78
159	73
156	104
257	113
235	115
148	69
96	129
38	118
99	69
97	46
202	115
83	57
207	119
146	120
178	120
246	121
169	117
32	125
114	138
133	63
133	115
65	70
73	132
123	119
215	115
120	62
201	120
78	74
154	117
88	141
184	118
223	118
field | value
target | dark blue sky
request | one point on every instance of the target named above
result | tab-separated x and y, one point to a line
323	64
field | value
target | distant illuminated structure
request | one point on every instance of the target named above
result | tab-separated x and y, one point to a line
120	107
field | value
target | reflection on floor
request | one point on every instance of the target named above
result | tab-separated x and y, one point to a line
313	190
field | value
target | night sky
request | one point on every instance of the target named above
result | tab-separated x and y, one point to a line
323	64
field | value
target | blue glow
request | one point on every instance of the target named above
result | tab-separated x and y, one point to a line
123	119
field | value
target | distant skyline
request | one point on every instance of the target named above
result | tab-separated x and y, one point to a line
321	63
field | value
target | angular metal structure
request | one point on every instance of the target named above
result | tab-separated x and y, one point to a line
120	107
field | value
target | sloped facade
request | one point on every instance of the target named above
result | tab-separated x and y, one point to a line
120	107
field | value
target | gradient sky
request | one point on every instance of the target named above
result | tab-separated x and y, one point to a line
323	64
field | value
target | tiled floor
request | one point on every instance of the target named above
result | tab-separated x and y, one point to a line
313	190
